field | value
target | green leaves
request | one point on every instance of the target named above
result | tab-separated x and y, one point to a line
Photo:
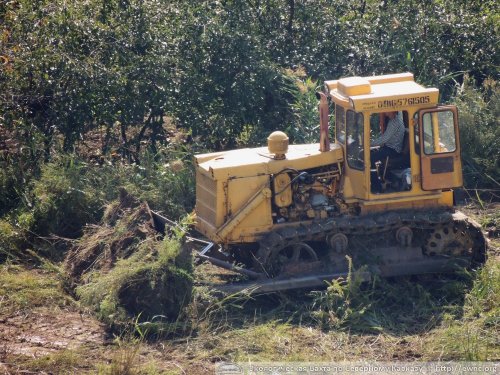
217	68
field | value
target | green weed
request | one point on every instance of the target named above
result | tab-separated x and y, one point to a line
343	302
64	198
125	361
22	289
61	362
157	280
405	305
474	337
11	239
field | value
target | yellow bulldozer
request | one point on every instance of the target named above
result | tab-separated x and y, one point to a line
291	216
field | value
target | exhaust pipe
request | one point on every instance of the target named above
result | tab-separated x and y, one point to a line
324	141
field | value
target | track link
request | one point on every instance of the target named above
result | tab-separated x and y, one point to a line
372	225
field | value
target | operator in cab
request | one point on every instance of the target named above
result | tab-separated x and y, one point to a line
390	142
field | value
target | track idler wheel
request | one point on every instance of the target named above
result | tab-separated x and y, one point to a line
338	242
404	236
294	259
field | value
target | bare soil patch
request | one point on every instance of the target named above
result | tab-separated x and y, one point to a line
47	330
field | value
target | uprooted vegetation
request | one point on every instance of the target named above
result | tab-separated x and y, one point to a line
122	268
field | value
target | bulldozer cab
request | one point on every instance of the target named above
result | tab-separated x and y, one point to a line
428	163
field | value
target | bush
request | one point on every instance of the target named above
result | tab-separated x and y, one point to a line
8	187
479	110
11	239
165	181
65	198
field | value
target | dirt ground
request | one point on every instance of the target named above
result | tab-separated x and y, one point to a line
40	333
46	330
49	340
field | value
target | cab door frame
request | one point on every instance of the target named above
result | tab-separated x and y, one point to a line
440	165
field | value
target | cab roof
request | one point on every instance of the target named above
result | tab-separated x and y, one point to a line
381	93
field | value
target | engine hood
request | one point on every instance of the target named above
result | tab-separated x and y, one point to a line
254	161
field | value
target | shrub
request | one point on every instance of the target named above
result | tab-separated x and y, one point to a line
13	184
479	110
65	199
10	240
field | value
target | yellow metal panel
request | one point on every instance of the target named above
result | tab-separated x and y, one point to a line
331	85
396	198
399	203
374	80
347	190
354	86
236	218
395	97
340	99
239	192
201	158
388	78
251	162
205	228
210	203
409	205
389	92
357	182
206	198
446	198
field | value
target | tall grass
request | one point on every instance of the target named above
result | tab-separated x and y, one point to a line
479	111
402	306
473	337
70	192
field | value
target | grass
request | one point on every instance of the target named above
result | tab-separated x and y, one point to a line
124	361
62	362
22	289
441	317
457	321
453	317
474	337
438	318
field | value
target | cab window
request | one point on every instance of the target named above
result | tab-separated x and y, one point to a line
416	133
438	132
355	138
340	124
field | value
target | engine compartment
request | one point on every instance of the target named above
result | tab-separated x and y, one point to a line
309	194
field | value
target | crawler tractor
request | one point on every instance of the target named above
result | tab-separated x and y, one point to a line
290	216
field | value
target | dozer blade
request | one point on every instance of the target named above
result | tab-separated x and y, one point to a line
278	285
390	262
426	265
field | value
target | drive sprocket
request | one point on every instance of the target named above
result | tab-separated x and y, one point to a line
453	239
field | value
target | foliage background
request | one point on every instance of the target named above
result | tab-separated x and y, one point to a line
94	93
